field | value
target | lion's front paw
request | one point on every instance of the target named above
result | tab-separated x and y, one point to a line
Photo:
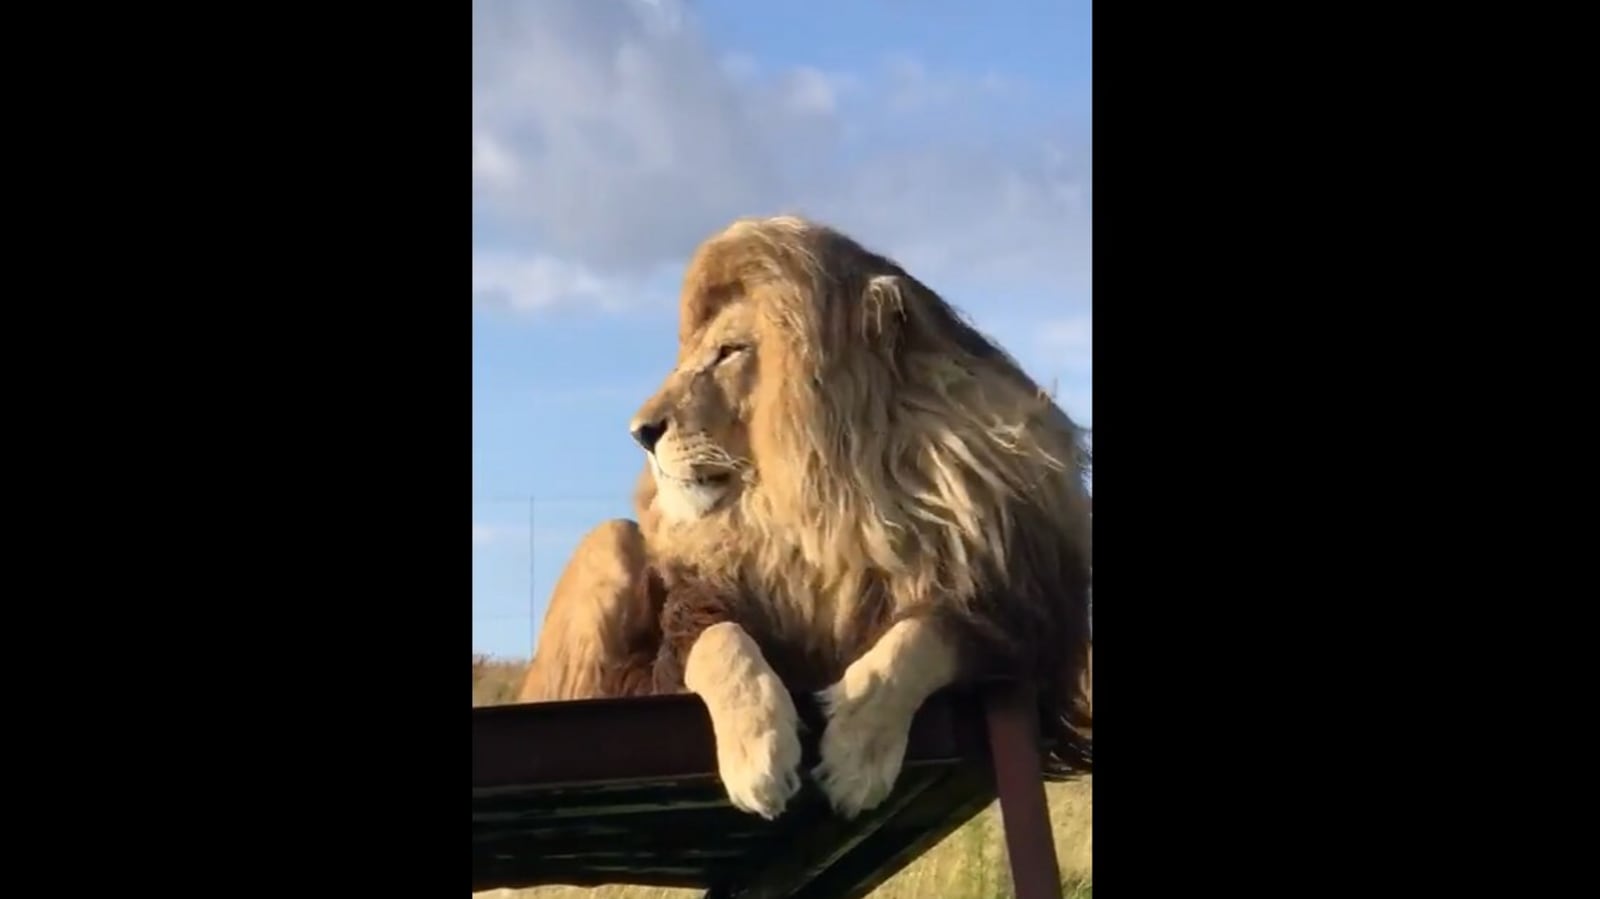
862	748
758	755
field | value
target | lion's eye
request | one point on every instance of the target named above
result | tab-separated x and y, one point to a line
729	350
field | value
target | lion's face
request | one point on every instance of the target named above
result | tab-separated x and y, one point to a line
696	428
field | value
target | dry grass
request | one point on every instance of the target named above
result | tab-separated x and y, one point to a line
968	864
495	681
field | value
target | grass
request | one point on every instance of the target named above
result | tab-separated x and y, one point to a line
968	864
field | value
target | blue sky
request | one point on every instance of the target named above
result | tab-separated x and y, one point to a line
611	136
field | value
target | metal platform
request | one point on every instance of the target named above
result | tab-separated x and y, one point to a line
625	791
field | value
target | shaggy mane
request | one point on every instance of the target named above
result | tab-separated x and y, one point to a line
904	465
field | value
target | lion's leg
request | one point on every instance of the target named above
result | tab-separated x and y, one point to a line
754	719
596	610
870	710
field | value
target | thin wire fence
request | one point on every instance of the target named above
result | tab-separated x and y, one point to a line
521	543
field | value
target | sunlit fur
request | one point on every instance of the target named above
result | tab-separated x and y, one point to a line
598	619
889	462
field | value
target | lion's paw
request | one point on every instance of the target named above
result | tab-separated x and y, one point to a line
862	748
758	756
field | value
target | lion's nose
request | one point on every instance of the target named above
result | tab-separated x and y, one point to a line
649	433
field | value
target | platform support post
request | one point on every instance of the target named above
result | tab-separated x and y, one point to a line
1012	717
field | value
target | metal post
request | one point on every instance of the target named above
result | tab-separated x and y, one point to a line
1013	723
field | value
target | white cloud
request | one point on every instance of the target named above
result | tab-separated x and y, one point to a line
492	164
631	140
528	283
615	138
740	66
813	91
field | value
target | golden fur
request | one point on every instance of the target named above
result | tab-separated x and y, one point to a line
600	615
837	451
593	614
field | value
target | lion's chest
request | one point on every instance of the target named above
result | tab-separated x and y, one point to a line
810	637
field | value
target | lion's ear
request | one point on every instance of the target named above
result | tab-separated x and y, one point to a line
901	315
883	313
888	319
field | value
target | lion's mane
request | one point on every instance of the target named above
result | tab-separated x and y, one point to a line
904	466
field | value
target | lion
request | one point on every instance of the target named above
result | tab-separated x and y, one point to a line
847	491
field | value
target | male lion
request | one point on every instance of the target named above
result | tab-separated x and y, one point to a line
848	490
